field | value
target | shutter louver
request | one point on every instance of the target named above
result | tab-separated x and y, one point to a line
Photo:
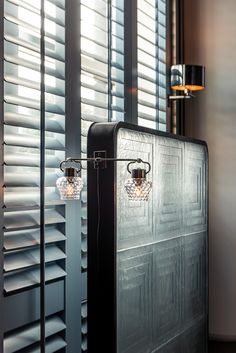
152	95
22	64
19	340
102	78
22	135
27	238
53	344
16	260
22	280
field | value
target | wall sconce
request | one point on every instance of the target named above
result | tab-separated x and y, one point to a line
138	187
187	78
71	184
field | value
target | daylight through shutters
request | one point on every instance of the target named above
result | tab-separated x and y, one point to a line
152	33
22	158
102	77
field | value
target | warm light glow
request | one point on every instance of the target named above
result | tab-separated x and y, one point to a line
69	187
138	189
188	87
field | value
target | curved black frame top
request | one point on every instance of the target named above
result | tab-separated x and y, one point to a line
109	130
102	254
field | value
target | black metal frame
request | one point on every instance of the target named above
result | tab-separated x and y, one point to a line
102	253
101	284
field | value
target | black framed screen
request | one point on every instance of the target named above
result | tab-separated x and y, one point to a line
148	260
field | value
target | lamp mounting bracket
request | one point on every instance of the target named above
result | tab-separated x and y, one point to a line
102	163
100	160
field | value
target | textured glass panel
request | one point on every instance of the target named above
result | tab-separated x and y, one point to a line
170	190
134	297
162	247
132	213
194	339
195	188
194	259
166	281
174	346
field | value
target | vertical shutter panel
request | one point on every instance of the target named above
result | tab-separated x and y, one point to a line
84	326
102	77
117	59
102	99
152	63
22	129
22	155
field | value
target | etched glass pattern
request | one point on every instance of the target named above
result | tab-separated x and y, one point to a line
69	187
138	189
162	248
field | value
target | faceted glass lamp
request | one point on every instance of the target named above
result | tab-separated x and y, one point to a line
70	185
138	187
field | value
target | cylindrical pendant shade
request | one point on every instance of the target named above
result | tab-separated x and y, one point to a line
187	77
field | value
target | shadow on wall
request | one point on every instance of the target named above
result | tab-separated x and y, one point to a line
210	31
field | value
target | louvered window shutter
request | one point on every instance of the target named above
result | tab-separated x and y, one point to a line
22	169
102	77
102	99
151	53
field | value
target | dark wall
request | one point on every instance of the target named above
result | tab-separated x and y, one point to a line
210	39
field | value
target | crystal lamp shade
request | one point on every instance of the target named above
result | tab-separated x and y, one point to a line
69	186
138	189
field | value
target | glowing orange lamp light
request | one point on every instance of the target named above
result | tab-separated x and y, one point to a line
187	78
